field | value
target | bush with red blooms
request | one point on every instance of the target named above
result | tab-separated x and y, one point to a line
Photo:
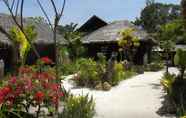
46	60
31	89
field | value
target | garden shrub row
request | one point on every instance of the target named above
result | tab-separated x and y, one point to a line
91	73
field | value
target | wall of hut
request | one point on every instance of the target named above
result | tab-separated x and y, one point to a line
45	50
6	54
108	48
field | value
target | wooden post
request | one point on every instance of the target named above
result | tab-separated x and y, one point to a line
1	69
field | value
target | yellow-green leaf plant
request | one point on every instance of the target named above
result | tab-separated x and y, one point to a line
22	42
128	42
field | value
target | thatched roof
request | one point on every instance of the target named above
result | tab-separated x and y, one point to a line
92	24
109	33
44	33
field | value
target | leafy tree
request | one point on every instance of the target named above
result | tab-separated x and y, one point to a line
168	36
179	60
156	14
128	42
73	40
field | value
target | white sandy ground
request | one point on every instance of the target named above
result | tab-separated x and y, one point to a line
138	97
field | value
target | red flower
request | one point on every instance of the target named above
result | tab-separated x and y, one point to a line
55	87
61	94
46	60
39	96
6	90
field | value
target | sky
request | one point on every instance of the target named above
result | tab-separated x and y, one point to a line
79	11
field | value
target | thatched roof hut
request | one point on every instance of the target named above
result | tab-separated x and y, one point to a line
44	33
110	33
44	42
105	40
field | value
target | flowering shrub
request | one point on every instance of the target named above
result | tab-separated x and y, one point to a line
31	89
46	60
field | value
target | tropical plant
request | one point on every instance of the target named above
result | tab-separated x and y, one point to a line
167	82
78	107
73	40
179	60
128	42
21	41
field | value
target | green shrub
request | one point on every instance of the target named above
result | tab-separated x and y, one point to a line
129	74
154	66
68	69
118	73
78	107
89	75
121	74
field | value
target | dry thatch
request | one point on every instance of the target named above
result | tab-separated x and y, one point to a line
44	33
109	33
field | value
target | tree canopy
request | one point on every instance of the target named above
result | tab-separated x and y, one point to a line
156	14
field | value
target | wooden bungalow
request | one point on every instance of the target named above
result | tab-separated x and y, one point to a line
105	40
44	41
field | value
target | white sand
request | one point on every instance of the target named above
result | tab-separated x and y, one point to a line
138	97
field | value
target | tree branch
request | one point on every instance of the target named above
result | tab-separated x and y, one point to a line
21	28
54	7
17	8
45	14
62	10
21	12
12	6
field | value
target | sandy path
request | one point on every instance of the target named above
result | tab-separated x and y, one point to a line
138	97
